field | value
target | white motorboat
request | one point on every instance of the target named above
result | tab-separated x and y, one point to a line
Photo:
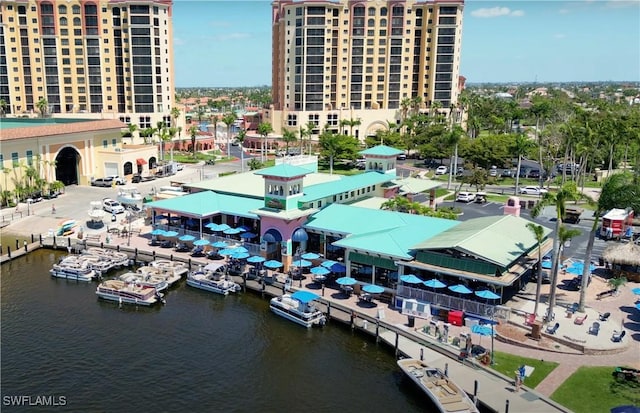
96	213
168	276
72	268
175	267
128	293
150	280
212	278
101	265
298	307
445	394
129	195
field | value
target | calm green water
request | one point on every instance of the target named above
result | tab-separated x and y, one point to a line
200	352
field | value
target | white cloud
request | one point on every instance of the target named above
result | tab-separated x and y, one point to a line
564	11
496	12
559	35
178	41
618	4
231	36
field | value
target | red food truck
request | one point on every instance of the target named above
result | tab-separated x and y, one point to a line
615	223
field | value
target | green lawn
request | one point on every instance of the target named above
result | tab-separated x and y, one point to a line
594	389
188	158
507	364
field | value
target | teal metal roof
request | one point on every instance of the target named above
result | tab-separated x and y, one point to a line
345	184
377	231
284	171
497	239
382	150
207	203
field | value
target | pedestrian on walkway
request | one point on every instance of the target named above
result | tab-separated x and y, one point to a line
53	209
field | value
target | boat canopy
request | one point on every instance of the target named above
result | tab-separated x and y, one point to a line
213	267
304	296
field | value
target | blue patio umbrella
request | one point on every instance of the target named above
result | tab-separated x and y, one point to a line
460	289
187	238
482	330
244	228
255	259
157	232
273	264
232	231
219	244
638	306
338	268
328	263
212	226
346	281
160	216
434	283
310	256
170	234
489	295
636	291
221	228
227	251
410	279
320	271
248	235
239	249
240	255
302	263
201	242
373	289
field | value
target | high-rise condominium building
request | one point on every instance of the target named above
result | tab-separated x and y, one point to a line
359	60
110	59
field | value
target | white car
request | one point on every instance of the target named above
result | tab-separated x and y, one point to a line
179	167
441	170
117	179
465	197
533	190
112	206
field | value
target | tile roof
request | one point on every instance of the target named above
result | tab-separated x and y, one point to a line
64	128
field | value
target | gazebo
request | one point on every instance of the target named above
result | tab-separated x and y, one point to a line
624	259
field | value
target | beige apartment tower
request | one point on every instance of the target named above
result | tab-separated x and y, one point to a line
346	59
94	59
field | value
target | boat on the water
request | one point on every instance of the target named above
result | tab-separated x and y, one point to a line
212	278
298	307
150	280
128	293
169	277
73	268
176	267
118	259
445	394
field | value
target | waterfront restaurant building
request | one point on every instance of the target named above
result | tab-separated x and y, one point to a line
294	209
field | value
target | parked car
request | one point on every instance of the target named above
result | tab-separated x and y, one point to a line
401	157
441	170
507	173
112	206
493	171
431	163
361	165
103	182
118	179
179	167
466	197
534	173
533	190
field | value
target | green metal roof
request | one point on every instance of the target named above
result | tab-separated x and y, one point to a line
345	184
382	150
377	231
207	203
497	239
284	171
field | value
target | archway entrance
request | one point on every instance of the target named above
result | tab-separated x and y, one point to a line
67	163
128	168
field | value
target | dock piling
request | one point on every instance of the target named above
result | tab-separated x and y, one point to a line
9	252
475	392
32	239
421	354
17	245
189	264
25	246
396	347
506	406
40	238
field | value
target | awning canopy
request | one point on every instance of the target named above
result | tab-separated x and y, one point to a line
299	235
140	162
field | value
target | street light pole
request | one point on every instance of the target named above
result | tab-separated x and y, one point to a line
491	313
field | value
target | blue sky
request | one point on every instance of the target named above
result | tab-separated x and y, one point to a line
228	43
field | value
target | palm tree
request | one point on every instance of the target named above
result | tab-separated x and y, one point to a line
131	128
175	114
540	109
618	191
288	137
163	135
538	233
229	120
193	132
242	135
264	129
42	106
453	138
3	107
521	146
567	192
350	123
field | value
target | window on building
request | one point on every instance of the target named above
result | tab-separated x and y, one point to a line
105	144
15	161
114	141
292	119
